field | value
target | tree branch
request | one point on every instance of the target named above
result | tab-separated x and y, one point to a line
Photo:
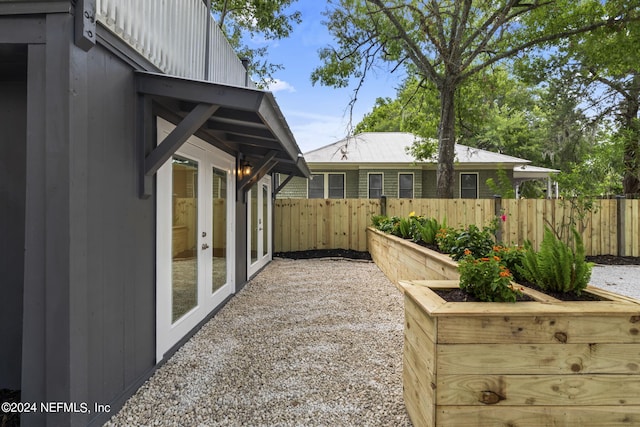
541	40
413	50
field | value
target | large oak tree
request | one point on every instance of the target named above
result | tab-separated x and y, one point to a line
448	41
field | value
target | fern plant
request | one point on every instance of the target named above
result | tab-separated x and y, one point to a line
426	229
557	266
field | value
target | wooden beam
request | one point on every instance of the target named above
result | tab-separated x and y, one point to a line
194	120
281	186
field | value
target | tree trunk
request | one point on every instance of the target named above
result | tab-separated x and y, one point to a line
631	135
446	140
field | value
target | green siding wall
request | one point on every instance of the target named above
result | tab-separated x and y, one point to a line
357	183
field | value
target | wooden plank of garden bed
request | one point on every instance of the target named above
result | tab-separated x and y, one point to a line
542	390
528	308
418	397
538	329
535	416
538	359
416	319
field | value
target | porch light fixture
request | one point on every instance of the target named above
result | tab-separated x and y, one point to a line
244	170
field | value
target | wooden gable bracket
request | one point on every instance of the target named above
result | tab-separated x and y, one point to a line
282	184
266	164
149	164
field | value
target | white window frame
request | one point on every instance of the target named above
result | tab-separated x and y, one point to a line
169	332
326	183
413	184
369	183
477	174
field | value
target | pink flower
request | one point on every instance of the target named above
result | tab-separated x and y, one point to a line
503	217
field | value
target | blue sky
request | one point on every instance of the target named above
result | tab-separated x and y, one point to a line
318	115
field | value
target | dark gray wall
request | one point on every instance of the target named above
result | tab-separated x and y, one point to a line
120	236
13	127
89	316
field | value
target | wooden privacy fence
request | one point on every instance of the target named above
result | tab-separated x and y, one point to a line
610	227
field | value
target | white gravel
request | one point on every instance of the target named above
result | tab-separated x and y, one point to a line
621	279
305	343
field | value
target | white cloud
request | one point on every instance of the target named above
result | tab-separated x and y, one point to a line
278	85
316	130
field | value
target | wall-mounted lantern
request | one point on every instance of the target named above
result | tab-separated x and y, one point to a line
244	170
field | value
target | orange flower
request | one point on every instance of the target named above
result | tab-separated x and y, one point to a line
497	248
484	259
505	273
467	252
496	258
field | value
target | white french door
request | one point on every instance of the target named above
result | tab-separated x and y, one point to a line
259	225
195	237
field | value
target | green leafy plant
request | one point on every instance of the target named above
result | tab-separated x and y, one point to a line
512	257
426	229
557	266
487	278
405	226
417	228
478	241
386	224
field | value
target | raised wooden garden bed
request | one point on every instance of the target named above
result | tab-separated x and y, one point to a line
401	259
537	363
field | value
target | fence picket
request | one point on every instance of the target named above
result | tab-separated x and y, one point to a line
304	224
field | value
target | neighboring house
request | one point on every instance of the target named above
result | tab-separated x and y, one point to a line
135	193
372	164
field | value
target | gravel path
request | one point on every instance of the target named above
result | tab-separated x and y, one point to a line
305	343
621	279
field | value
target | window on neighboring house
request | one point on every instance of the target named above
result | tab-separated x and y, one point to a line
336	186
405	185
375	185
468	185
326	186
316	186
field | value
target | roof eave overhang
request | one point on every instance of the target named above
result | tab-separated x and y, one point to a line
244	122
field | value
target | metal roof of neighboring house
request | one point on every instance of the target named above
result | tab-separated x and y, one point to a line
390	147
532	172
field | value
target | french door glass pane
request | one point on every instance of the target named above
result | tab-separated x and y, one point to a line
254	223
184	280
219	229
265	219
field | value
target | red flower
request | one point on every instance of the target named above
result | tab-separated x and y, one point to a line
503	217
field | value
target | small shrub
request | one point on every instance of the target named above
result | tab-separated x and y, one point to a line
512	257
487	278
557	267
479	242
446	239
386	224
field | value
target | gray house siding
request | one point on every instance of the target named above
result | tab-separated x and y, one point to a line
89	286
121	237
13	125
296	188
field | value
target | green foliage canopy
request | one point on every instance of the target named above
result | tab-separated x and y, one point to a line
243	20
446	42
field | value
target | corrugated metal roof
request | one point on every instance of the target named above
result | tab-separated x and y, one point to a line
390	147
